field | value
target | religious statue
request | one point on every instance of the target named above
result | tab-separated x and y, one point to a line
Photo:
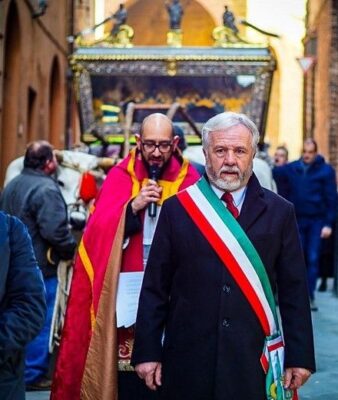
229	20
175	11
120	18
228	33
119	36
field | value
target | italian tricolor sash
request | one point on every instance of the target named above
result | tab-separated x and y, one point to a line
240	257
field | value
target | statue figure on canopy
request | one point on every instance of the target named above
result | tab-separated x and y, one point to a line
229	20
119	35
228	33
120	18
175	12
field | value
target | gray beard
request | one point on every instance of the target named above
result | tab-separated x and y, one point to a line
226	185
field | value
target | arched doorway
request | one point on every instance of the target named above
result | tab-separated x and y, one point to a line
56	129
10	122
150	22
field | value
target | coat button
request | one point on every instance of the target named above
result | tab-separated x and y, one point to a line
226	289
225	323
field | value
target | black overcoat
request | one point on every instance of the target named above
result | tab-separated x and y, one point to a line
213	341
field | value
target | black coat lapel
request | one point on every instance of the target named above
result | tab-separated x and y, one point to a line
254	204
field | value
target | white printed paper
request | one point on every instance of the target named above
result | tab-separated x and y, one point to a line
128	293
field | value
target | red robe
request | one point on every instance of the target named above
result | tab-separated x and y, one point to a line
88	354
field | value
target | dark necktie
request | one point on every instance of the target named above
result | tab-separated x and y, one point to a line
229	201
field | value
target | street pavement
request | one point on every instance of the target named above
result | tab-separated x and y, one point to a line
323	384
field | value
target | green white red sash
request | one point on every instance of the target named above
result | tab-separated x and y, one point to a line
239	256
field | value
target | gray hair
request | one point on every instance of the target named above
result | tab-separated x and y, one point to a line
227	120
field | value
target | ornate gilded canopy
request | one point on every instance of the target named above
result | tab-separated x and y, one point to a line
202	80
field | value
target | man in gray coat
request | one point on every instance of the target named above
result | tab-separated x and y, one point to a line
35	197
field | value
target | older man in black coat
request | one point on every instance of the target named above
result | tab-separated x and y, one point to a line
197	335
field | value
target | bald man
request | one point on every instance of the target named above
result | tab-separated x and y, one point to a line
94	357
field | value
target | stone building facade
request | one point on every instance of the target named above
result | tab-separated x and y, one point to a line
321	80
36	97
33	84
36	101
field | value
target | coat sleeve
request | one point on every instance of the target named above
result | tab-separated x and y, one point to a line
154	297
330	196
280	177
23	308
133	222
51	217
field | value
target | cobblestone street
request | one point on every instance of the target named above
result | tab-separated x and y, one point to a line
322	385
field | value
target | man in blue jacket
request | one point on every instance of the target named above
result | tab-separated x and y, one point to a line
310	184
22	304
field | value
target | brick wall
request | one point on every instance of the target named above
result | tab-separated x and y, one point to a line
32	81
333	73
321	83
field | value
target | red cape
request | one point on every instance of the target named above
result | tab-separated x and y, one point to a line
90	315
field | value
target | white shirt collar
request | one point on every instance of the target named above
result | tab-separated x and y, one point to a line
238	195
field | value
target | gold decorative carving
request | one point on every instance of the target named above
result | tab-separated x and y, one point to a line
171	66
224	36
121	39
174	38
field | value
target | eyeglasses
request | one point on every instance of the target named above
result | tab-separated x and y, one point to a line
164	147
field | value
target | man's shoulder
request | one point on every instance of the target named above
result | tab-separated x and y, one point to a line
32	176
276	200
3	221
9	223
172	203
330	168
18	178
292	165
288	167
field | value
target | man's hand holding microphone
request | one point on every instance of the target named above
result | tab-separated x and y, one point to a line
150	193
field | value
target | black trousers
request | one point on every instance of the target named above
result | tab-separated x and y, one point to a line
131	387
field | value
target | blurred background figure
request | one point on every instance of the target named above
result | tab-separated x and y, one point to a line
229	20
281	156
34	196
310	184
182	145
327	260
23	306
263	173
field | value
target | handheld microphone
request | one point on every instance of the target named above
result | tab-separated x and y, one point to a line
154	172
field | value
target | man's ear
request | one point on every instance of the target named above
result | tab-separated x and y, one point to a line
175	142
138	141
47	167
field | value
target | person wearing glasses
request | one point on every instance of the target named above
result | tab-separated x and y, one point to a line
116	241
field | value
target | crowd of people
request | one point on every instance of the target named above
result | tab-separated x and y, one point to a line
177	275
